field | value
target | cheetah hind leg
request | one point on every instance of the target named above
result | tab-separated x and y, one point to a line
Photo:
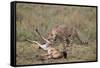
65	50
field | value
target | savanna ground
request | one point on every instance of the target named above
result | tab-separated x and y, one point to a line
45	17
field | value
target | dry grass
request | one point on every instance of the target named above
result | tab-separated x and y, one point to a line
26	54
44	17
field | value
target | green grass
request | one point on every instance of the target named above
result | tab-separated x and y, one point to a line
44	17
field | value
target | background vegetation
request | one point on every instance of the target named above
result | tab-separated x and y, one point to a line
45	17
